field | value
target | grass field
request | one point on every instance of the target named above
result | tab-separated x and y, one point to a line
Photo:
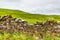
31	18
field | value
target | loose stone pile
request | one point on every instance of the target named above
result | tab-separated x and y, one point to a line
10	24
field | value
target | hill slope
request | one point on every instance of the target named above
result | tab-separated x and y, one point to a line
31	18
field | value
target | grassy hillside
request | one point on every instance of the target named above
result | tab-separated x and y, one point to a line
31	18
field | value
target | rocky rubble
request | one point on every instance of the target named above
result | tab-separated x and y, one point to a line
10	24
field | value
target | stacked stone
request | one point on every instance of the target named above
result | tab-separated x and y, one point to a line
52	26
10	24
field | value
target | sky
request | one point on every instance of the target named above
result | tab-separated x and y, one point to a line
33	6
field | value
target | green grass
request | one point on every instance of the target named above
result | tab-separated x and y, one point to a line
30	18
25	36
16	36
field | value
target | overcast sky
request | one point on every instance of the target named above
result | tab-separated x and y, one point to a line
34	6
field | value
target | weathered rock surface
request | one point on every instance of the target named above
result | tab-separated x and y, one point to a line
10	24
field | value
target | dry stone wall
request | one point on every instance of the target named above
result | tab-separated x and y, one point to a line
10	24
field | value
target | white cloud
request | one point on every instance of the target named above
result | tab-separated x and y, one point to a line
34	6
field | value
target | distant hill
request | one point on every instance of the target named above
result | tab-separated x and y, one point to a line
31	18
